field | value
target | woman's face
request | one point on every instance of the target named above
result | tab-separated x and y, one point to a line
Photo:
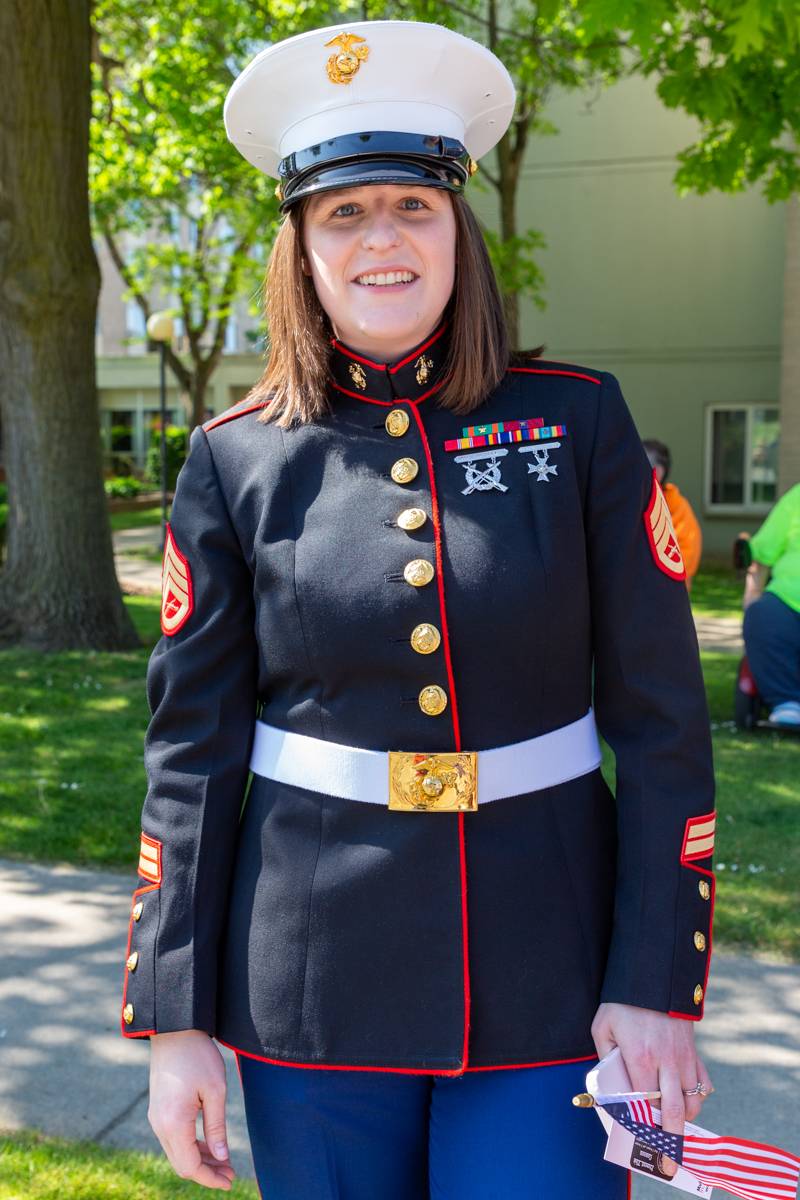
382	258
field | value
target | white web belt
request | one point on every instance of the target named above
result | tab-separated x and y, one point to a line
353	773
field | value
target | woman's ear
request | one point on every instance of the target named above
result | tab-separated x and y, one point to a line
304	267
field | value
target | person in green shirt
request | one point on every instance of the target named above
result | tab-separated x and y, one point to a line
772	614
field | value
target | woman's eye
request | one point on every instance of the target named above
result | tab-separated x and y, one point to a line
413	203
345	210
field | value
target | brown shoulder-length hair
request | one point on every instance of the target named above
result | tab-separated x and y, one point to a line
296	376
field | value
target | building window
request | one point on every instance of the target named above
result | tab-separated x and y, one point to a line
741	457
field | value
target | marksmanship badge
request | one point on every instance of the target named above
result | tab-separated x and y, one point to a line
177	601
541	467
482	478
343	66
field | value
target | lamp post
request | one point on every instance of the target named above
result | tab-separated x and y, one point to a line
160	330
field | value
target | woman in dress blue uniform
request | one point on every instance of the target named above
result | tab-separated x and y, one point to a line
400	579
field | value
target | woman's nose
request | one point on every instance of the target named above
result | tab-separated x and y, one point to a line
381	234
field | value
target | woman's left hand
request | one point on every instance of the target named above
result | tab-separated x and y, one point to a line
660	1055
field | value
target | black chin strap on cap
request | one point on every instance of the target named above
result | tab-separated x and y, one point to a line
356	159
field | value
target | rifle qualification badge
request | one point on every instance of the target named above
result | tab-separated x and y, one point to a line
483	471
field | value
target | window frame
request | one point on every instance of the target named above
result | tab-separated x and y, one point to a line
748	506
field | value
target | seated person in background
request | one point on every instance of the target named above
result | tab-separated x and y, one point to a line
684	522
772	617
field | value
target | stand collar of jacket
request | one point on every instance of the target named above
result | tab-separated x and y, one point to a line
417	375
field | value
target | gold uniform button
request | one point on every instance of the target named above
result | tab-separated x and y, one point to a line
127	1014
404	470
704	889
412	518
425	638
699	940
397	422
138	909
133	960
698	994
433	700
418	572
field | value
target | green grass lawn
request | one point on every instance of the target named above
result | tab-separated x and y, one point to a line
72	780
35	1167
137	519
717	592
143	552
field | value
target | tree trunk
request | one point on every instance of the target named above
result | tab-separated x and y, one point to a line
789	452
197	391
58	588
508	174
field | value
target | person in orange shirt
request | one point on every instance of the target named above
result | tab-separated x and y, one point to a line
685	523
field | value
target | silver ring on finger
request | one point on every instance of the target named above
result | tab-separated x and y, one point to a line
699	1089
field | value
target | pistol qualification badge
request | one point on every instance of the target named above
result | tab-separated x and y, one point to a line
343	66
541	467
483	477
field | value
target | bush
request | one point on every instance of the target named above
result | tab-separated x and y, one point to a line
177	448
123	487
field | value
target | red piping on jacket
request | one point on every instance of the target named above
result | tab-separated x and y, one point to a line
231	416
462	854
151	887
390	403
571	374
383	366
307	1066
689	866
553	1062
456	1071
419	350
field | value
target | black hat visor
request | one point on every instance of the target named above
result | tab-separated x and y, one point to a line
355	160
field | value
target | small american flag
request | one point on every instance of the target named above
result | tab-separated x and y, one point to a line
742	1168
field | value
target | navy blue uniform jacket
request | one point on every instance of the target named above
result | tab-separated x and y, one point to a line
306	929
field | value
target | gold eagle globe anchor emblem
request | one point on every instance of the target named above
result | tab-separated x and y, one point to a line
424	366
343	66
358	376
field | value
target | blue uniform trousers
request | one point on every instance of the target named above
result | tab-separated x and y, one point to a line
772	640
364	1135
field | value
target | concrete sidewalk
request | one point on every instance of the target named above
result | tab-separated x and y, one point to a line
66	1069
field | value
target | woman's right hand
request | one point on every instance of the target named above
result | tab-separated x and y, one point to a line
187	1073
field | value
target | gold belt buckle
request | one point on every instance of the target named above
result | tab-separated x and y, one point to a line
446	782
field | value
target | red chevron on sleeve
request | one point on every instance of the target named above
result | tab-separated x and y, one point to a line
177	601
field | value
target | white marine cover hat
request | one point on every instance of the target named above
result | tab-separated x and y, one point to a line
369	102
